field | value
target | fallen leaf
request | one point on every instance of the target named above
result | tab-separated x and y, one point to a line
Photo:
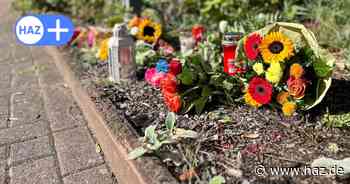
250	135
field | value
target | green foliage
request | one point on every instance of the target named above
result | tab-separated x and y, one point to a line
82	11
155	139
203	80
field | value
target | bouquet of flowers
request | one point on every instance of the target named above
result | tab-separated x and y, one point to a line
284	67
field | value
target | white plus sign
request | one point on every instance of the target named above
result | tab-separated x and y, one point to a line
58	30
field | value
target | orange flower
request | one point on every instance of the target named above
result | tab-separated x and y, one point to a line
172	100
289	108
134	22
168	83
282	97
296	70
296	87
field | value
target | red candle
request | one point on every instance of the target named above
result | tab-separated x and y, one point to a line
229	58
229	47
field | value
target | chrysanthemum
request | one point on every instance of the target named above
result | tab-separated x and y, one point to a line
251	46
276	47
149	31
250	101
258	68
289	108
296	70
274	73
260	90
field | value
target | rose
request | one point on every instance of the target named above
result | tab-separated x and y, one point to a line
172	100
175	66
296	87
168	83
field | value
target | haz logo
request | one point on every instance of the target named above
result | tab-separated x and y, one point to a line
44	30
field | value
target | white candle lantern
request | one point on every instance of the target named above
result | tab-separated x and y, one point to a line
121	63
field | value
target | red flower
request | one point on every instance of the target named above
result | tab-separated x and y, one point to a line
251	46
173	101
175	66
168	83
197	32
260	89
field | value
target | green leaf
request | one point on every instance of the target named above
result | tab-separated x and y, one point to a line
227	85
170	121
206	91
321	68
186	76
137	152
200	104
150	134
217	180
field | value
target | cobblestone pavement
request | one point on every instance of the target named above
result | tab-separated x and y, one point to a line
44	138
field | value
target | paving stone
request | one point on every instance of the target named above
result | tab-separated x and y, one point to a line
97	175
28	107
3	122
24	76
2	153
76	150
2	172
41	171
23	132
62	112
30	149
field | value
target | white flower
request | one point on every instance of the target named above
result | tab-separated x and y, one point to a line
223	26
134	31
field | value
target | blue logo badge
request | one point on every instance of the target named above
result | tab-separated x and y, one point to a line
44	30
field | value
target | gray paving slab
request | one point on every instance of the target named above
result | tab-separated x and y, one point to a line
95	175
76	150
62	112
2	153
41	171
23	132
30	149
2	172
28	107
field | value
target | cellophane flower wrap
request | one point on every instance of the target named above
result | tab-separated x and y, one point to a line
291	71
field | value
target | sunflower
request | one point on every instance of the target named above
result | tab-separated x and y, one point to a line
276	47
149	31
251	46
260	90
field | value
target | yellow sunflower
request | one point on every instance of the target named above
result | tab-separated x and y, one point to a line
149	31
276	47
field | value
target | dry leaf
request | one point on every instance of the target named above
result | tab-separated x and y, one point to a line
250	135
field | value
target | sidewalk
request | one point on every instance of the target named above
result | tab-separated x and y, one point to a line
44	138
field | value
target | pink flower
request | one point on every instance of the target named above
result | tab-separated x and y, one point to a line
91	38
175	66
157	78
150	72
153	77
